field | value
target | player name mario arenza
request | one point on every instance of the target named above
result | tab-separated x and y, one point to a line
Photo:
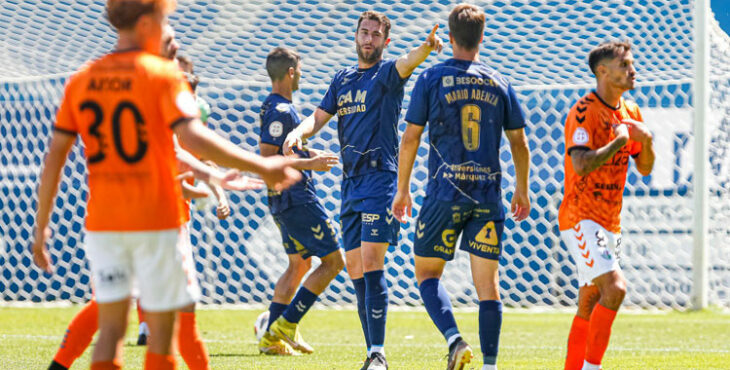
475	93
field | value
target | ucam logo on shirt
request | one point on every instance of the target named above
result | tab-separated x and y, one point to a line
358	104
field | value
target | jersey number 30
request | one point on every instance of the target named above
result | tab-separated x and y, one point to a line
471	116
100	154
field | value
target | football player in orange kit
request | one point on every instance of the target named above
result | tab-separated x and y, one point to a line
84	325
601	132
126	106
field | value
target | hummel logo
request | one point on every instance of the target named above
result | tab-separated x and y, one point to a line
300	306
419	230
389	217
318	233
376	314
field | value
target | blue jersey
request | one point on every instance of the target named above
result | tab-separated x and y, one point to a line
467	105
367	103
278	118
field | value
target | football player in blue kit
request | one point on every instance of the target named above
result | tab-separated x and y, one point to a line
305	229
467	106
367	99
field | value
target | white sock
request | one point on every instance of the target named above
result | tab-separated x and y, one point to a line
589	366
489	367
452	339
144	329
378	349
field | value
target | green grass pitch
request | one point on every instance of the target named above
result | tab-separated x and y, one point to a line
530	340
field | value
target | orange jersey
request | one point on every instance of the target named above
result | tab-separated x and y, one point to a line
124	106
598	195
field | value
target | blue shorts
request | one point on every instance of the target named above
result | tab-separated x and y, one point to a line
306	230
365	213
440	223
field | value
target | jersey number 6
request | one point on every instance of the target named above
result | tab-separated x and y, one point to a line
100	154
471	115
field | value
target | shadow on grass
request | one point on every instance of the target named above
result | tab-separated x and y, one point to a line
235	355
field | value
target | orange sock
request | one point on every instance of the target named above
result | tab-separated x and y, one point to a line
190	344
116	364
155	361
577	344
78	334
140	313
599	332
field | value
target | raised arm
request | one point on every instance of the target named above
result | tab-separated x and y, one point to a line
61	143
310	126
586	161
521	157
407	63
402	202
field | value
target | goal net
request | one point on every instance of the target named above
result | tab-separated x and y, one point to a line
541	46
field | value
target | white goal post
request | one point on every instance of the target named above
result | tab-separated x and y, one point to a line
701	155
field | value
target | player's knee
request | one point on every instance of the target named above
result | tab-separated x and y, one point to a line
619	289
354	267
487	292
614	294
334	262
372	264
299	267
487	289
